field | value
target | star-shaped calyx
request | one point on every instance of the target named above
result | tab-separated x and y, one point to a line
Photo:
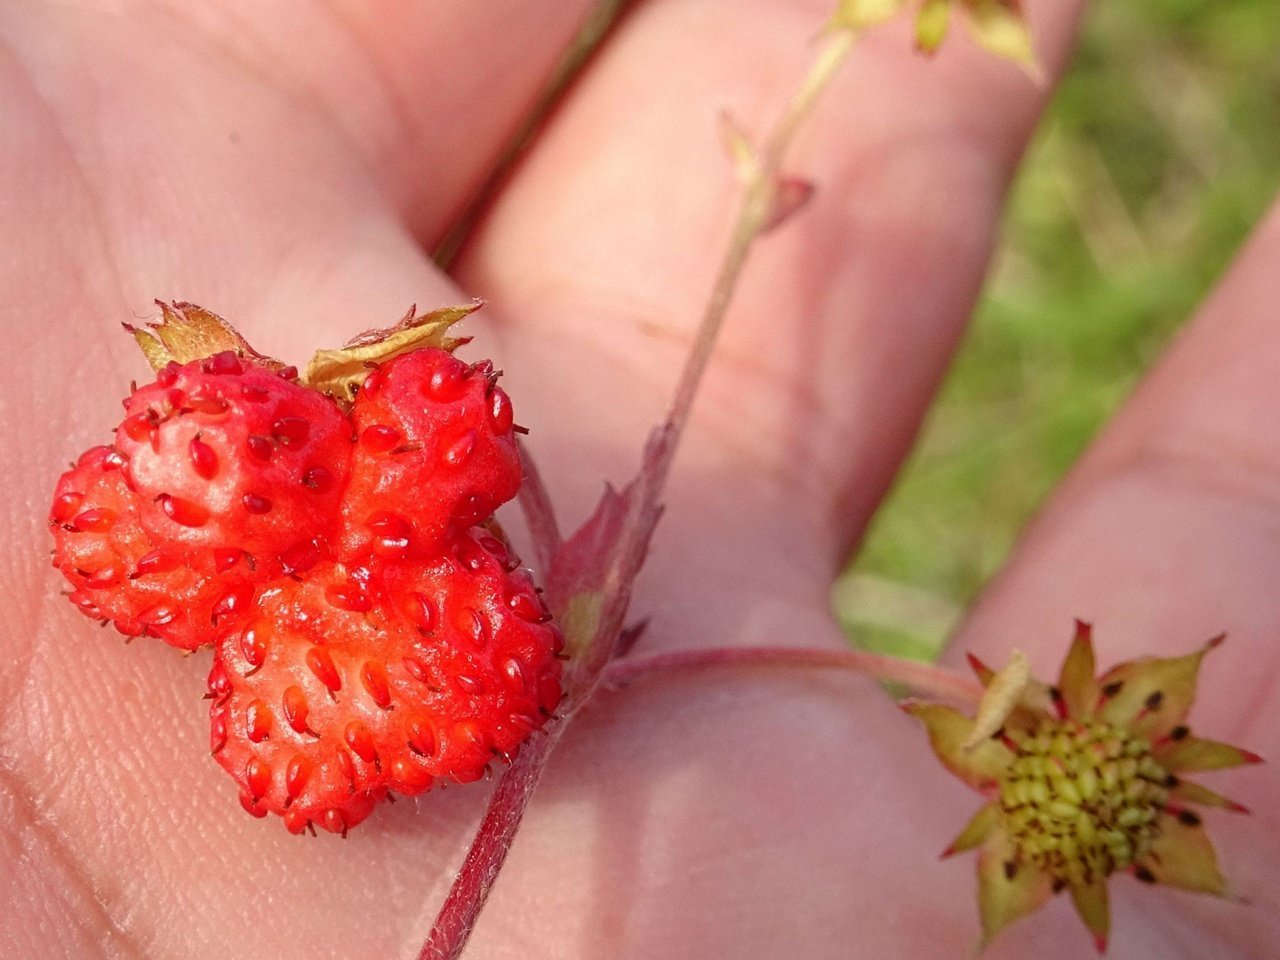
1083	780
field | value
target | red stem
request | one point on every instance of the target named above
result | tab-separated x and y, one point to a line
488	852
642	499
920	677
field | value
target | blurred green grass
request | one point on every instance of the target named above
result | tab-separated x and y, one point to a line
1159	152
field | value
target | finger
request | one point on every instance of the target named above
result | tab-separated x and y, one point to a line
450	83
599	257
1165	535
405	104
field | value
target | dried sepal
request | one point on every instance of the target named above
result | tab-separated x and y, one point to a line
1035	699
187	332
340	372
1094	909
980	766
1153	695
1008	890
1002	696
976	831
1182	856
1190	754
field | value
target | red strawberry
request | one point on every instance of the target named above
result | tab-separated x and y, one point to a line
369	637
368	677
435	449
225	454
120	576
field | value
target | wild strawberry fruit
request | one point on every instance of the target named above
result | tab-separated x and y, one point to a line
427	420
382	675
226	454
328	536
120	576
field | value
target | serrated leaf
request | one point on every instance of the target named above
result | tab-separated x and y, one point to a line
932	23
340	372
187	332
1000	27
859	14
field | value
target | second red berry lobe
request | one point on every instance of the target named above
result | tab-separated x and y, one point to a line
383	676
435	451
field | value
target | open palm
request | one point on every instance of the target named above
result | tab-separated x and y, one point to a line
288	166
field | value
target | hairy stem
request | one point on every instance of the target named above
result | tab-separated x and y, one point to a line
755	216
753	219
488	852
922	678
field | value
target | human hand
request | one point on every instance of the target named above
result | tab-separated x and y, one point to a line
288	168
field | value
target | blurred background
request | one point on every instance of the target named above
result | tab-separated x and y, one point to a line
1160	151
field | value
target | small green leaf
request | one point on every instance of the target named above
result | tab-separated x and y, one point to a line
981	766
1001	28
580	621
1095	910
859	14
1151	696
1196	793
1182	856
1075	682
932	23
976	831
1007	889
1190	754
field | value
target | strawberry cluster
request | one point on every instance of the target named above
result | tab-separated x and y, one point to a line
371	632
